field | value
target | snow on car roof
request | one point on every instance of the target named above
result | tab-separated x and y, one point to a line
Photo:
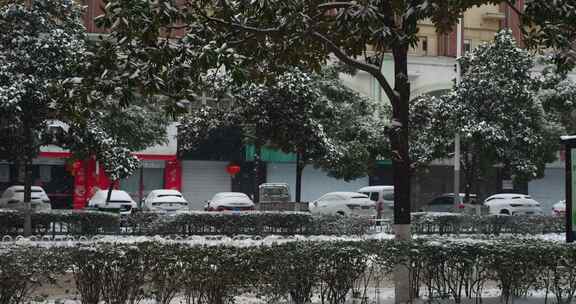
169	199
375	188
116	195
228	199
346	194
21	187
509	195
167	191
229	194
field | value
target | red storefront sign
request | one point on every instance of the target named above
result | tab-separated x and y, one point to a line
87	177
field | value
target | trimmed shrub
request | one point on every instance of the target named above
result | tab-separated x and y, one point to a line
249	223
77	222
292	272
427	223
23	269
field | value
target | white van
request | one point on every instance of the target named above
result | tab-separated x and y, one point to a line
384	198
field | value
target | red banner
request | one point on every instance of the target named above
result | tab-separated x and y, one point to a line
173	175
79	171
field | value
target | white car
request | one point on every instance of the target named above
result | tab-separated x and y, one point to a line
559	209
165	201
13	198
343	204
512	204
120	201
384	198
230	201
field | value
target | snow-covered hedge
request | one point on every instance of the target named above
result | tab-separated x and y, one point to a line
330	270
60	222
430	223
251	223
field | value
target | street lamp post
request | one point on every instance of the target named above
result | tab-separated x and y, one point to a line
569	143
457	136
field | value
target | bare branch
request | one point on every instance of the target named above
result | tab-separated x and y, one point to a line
369	68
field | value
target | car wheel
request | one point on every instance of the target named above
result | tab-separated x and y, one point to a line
504	212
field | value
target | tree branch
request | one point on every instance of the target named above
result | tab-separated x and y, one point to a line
244	27
514	8
369	68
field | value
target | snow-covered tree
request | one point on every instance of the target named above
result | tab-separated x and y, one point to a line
497	113
46	74
41	43
311	115
89	139
551	26
558	96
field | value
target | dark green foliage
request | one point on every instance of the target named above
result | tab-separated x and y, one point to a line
78	222
487	225
250	223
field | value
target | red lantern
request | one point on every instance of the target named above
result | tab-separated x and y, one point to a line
232	169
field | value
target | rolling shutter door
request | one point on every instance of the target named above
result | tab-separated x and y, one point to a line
202	179
548	190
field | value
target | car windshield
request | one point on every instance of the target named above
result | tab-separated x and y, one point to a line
168	195
33	190
359	197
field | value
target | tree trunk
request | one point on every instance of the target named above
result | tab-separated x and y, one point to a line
27	197
401	166
257	156
399	137
299	169
110	188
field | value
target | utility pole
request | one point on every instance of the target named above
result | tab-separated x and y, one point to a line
457	136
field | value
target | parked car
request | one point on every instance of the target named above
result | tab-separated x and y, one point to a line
344	204
559	209
383	196
165	201
13	198
229	201
512	204
449	202
120	202
274	192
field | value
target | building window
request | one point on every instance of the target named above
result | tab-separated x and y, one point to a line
421	47
424	44
467	46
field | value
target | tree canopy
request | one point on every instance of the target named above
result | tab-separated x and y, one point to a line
498	113
314	114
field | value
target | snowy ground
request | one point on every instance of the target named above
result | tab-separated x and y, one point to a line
248	240
375	296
